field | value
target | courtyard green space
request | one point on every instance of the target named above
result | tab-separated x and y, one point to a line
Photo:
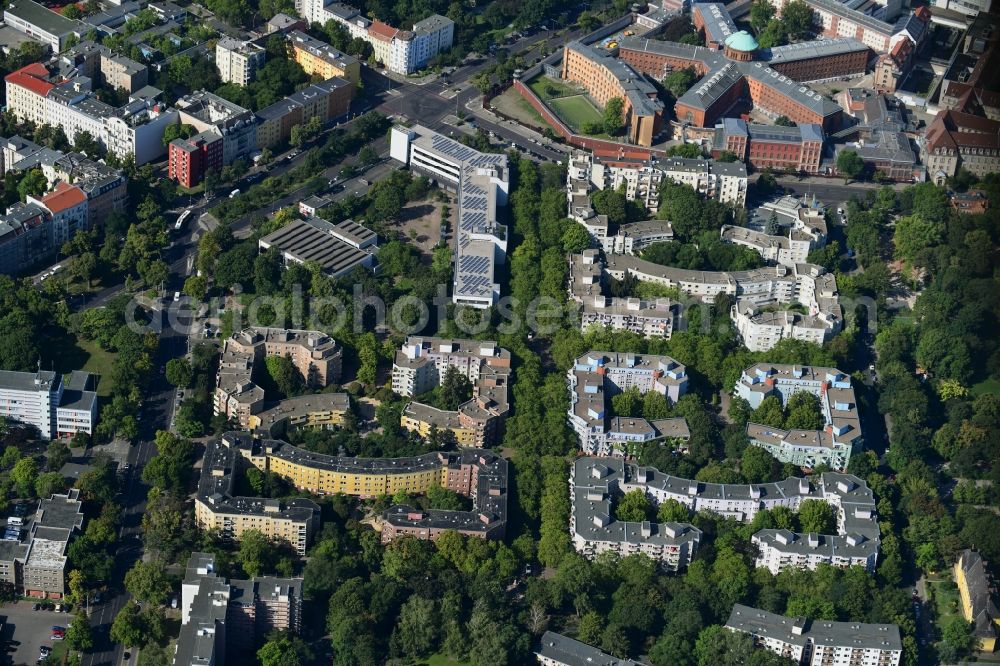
575	111
547	87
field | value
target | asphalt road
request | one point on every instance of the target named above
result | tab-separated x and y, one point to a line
827	190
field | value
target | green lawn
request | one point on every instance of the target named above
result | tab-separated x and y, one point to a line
576	111
440	660
986	386
547	87
946	600
71	353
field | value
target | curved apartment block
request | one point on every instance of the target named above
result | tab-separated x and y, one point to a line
757	291
598	375
479	474
831	445
594	481
422	363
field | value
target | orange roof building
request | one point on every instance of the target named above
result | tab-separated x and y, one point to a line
63	197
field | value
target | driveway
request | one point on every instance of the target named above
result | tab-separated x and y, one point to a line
28	630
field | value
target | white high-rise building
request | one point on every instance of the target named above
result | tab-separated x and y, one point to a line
44	401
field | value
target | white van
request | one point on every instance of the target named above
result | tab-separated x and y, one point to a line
232	195
16	521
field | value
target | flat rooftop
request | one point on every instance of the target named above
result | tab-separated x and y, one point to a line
316	241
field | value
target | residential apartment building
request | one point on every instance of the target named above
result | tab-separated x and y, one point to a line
324	101
228	620
855	544
819	642
422	364
837	19
294	521
594	482
67	208
26	238
801	228
43	572
45	401
188	160
634	237
650	318
559	650
106	188
606	78
337	249
208	112
400	51
482	182
834	443
36	94
313	410
316	356
754	290
475	473
975	590
102	65
238	61
597	376
41	24
960	140
320	59
724	181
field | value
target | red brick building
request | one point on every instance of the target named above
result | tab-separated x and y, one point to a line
189	159
796	149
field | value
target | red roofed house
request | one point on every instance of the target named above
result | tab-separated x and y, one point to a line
68	206
957	139
26	91
380	37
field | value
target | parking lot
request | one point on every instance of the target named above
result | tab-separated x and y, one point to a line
26	631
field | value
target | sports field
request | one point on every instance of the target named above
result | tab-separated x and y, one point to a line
575	111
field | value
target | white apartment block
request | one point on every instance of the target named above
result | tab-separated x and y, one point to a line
43	400
856	542
422	362
785	250
400	51
133	129
819	642
784	230
841	433
967	7
238	61
757	292
597	376
652	319
594	530
725	181
482	182
634	237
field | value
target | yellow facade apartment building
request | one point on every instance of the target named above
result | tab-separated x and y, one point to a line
977	599
320	59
